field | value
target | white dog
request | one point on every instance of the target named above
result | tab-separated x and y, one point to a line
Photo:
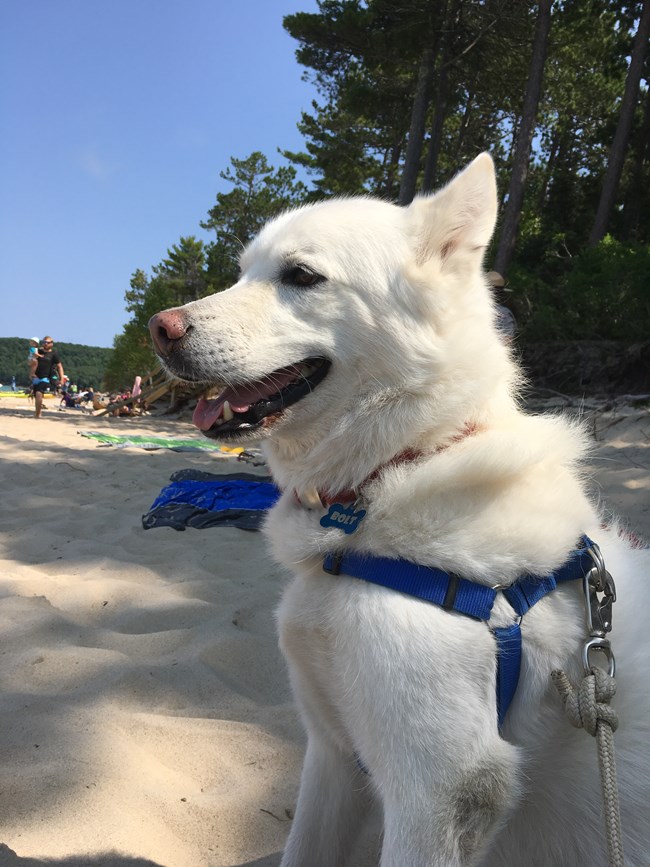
360	344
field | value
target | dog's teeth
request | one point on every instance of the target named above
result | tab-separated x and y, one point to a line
228	414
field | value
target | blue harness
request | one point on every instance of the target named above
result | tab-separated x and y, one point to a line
454	593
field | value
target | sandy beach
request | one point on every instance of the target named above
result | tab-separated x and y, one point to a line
145	713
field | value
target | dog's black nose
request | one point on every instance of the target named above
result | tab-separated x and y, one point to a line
167	328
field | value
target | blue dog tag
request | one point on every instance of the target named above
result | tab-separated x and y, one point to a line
345	519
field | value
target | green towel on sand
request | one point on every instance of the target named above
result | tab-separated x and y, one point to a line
154	442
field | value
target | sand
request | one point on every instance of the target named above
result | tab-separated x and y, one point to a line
145	713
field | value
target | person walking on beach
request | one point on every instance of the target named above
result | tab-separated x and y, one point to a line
41	371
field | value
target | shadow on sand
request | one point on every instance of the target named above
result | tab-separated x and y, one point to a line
8	858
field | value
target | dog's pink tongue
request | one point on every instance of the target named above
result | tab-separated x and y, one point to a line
207	412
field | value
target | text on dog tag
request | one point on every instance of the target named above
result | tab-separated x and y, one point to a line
345	519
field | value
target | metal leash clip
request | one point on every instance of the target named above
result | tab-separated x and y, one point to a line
600	595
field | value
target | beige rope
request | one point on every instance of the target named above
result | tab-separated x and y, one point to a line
588	707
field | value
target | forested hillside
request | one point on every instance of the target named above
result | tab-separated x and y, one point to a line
408	93
85	365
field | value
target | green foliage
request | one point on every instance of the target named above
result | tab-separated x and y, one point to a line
600	294
85	365
193	269
360	59
259	193
181	277
364	57
338	151
132	356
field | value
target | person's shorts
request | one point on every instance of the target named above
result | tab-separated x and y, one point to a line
40	385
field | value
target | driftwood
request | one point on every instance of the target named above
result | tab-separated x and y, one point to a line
159	385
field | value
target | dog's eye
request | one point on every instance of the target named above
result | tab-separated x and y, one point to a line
300	275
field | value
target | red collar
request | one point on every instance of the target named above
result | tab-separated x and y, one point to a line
351	495
404	457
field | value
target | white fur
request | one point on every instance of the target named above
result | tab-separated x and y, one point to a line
407	320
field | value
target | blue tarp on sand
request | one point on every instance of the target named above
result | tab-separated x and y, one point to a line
199	499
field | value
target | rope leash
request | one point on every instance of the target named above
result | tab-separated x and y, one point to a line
588	706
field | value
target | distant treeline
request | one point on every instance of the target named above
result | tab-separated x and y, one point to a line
85	365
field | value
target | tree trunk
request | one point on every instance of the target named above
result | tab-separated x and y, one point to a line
392	170
416	131
632	208
623	129
521	158
464	124
433	151
548	171
561	186
450	20
435	141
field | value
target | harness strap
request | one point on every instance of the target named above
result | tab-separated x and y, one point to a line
453	593
529	589
508	640
424	582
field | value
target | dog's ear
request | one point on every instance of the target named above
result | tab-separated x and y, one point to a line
458	218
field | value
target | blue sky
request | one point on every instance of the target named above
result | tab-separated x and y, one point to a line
118	116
